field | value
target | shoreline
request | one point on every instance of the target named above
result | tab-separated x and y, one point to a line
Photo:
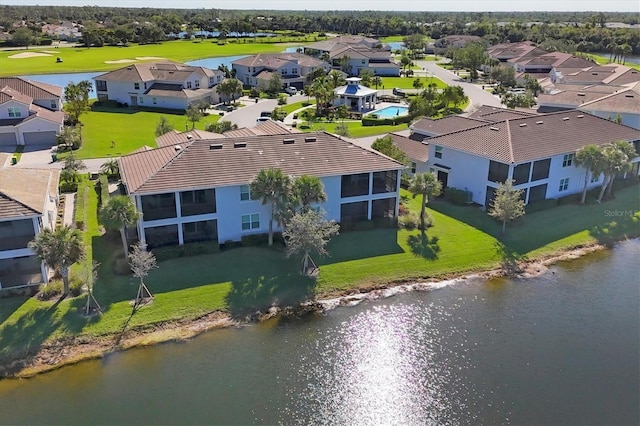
69	351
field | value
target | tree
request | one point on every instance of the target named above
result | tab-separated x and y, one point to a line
376	81
308	232
228	88
366	75
309	189
345	64
270	185
471	57
221	126
275	83
278	114
110	168
417	84
590	158
405	60
59	249
427	185
141	262
23	36
504	75
164	126
507	204
386	146
194	114
532	85
68	138
616	159
76	99
118	213
335	78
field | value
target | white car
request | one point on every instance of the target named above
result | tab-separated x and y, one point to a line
291	90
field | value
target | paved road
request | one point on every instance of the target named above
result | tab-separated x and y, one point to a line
247	115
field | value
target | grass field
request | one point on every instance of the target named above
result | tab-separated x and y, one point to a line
463	239
128	129
94	59
356	129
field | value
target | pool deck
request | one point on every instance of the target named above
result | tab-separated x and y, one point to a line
384	105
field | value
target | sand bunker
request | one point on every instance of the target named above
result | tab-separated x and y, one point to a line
148	58
27	55
120	61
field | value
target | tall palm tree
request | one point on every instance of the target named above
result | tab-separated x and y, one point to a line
110	167
270	185
590	158
427	185
309	189
616	158
118	213
59	249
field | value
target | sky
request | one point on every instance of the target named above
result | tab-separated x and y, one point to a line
404	5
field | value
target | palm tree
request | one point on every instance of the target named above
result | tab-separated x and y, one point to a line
118	213
270	185
59	249
427	185
336	78
617	158
309	189
590	158
110	167
377	81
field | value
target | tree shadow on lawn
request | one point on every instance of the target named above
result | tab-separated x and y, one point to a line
258	293
10	304
354	245
21	341
627	225
423	246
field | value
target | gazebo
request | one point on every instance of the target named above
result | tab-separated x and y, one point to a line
354	96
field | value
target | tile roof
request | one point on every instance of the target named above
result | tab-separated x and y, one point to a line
9	94
32	89
23	192
536	137
489	113
276	60
413	149
151	71
269	127
175	137
445	125
624	101
200	165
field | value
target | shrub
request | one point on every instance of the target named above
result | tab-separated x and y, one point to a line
75	286
102	187
50	290
66	187
409	221
185	250
282	99
81	201
254	92
456	196
262	239
371	121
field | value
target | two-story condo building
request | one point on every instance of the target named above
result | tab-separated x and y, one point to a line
28	204
159	85
30	112
200	190
257	70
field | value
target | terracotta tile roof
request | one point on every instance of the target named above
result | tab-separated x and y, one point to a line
54	116
7	94
175	137
269	127
233	161
531	138
33	89
624	101
23	192
415	150
445	125
276	60
150	71
489	113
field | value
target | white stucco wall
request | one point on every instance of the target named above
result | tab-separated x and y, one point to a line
4	109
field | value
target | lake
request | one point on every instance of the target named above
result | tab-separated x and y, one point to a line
561	348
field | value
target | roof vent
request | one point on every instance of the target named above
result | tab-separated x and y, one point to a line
628	95
594	73
581	94
565	118
189	137
177	147
494	128
239	144
288	141
215	146
579	116
523	124
310	139
539	122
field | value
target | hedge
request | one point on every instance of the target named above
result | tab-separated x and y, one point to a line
185	250
80	210
102	188
370	121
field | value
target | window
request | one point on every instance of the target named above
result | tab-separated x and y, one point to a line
136	86
199	231
283	71
540	169
140	100
211	81
14	112
197	83
498	172
564	184
383	209
54	104
159	206
188	85
294	71
245	193
201	201
413	167
145	86
567	160
353	185
537	193
354	212
521	173
438	151
154	101
101	85
385	181
250	221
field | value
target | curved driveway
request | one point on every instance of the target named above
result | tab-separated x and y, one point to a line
247	115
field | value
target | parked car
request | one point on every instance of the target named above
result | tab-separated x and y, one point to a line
291	90
399	92
265	114
517	91
261	119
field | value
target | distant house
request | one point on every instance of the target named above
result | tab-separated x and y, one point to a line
293	68
201	191
623	105
167	85
537	152
361	53
611	74
28	204
563	97
455	41
30	112
354	96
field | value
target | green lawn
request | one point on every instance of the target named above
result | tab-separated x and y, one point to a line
407	82
105	58
289	108
463	239
356	129
128	129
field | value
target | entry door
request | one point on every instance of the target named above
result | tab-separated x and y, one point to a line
443	177
134	101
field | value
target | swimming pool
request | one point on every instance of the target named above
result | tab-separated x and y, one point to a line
391	111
